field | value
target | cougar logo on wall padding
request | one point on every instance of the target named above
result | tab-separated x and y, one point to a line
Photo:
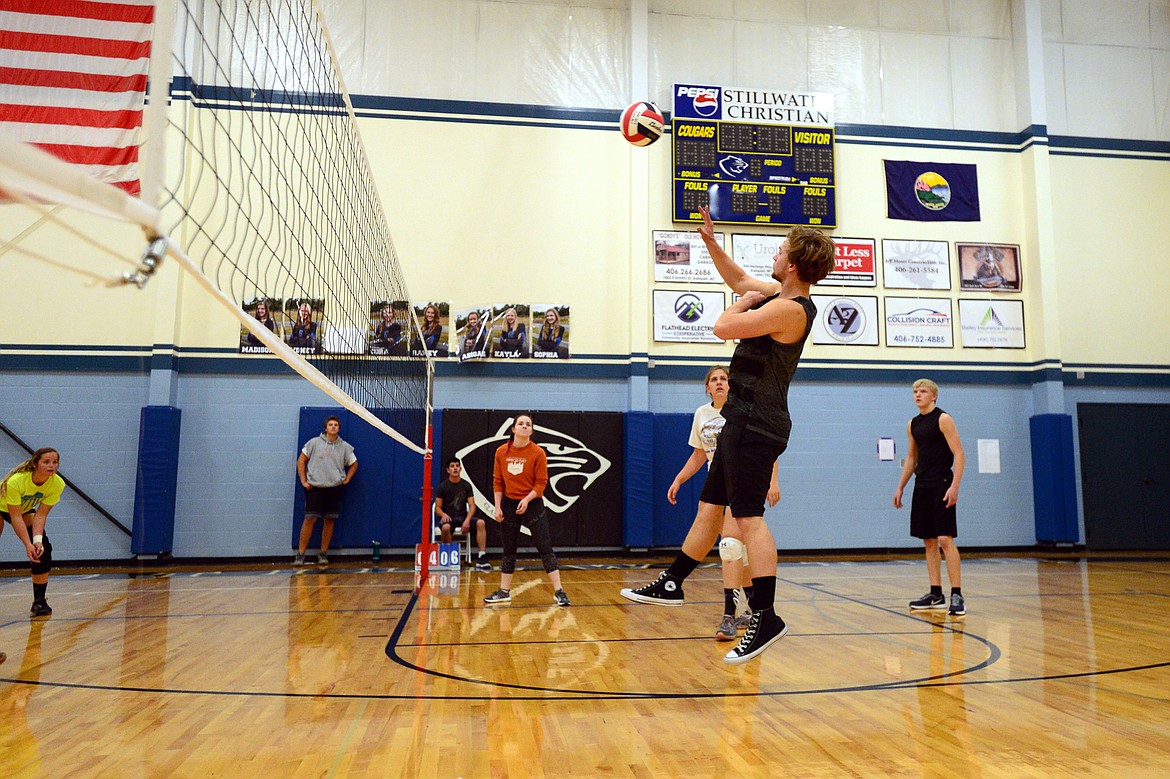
572	466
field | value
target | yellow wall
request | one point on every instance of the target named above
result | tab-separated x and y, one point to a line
485	213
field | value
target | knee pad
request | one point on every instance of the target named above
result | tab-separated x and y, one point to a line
732	549
508	564
550	562
46	562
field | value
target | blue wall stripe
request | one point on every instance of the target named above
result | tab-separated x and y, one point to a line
524	114
619	368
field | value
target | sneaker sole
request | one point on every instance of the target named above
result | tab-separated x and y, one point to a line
497	602
637	598
939	607
721	636
957	613
733	659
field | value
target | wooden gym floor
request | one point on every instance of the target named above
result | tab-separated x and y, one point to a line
1060	668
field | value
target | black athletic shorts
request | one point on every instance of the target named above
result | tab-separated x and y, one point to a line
741	471
456	521
929	515
46	562
323	501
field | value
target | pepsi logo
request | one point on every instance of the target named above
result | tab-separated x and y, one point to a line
706	104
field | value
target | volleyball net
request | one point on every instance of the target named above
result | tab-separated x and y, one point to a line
249	173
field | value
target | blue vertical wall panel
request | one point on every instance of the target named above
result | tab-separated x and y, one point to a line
637	481
157	481
1054	488
382	503
671	449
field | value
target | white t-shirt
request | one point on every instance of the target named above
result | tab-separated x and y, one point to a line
705	429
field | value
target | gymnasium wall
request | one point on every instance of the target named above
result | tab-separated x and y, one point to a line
490	127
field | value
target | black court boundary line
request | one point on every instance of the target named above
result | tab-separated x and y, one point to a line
391	652
937	680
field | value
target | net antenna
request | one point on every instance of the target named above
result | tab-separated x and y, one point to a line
254	179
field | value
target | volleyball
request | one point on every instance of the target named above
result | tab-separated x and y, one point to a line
642	123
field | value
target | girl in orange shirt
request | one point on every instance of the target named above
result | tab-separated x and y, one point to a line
520	476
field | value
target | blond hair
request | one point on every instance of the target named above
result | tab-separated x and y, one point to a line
930	385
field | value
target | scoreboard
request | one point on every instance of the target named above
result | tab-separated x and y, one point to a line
753	156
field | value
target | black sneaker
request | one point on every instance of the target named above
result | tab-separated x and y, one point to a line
499	596
482	565
40	608
562	598
665	591
928	601
958	607
762	632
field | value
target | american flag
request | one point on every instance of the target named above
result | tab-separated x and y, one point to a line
73	81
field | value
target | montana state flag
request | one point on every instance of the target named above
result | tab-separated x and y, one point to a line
931	191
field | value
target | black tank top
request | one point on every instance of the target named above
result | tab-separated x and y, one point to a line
935	458
761	370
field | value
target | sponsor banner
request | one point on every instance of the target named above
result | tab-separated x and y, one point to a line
763	106
992	324
916	264
687	317
990	267
856	263
924	322
852	321
682	256
932	191
756	254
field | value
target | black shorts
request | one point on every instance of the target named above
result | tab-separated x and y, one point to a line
456	521
323	501
929	515
741	471
45	564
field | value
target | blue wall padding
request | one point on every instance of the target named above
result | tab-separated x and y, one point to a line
637	481
383	503
157	481
671	450
1054	491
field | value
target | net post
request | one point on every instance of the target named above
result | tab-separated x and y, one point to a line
427	497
